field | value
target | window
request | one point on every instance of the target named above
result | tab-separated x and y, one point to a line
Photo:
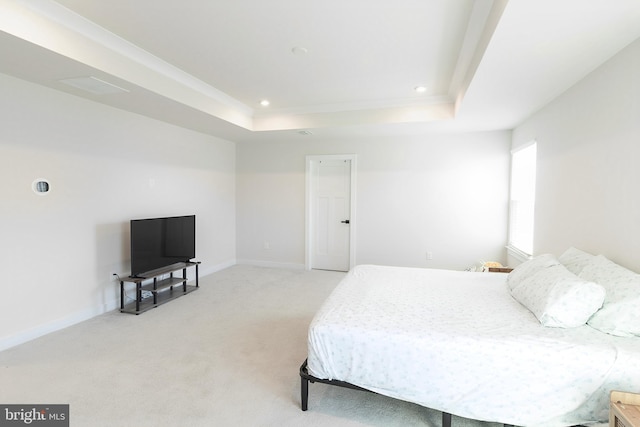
522	200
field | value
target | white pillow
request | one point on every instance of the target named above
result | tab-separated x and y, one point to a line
559	298
528	268
620	314
575	259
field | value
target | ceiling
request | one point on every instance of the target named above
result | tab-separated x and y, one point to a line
331	69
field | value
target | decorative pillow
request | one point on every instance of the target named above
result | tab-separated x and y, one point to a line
559	298
575	259
620	314
528	268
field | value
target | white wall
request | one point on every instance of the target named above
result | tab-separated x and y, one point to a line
105	167
443	193
588	163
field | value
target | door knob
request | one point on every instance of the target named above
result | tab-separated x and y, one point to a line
346	221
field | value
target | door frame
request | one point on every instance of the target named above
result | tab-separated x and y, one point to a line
308	234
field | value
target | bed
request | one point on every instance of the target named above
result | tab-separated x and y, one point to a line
541	346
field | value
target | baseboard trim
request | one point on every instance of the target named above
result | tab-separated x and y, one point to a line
56	325
271	264
82	315
205	270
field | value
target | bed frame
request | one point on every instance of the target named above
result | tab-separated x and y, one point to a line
434	392
306	377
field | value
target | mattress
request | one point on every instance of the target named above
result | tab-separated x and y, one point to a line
459	343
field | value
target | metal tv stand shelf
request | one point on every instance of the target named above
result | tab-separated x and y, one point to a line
162	290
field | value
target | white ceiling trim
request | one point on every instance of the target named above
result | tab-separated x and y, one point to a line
355	105
484	19
500	61
411	114
52	26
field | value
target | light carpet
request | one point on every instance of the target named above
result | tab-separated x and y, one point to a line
226	355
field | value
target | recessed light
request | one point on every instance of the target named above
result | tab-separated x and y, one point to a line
420	89
265	103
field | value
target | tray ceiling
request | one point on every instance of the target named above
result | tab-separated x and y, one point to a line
330	68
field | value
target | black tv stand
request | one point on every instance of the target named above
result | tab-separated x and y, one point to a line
162	289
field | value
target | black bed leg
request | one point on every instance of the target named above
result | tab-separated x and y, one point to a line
304	393
446	420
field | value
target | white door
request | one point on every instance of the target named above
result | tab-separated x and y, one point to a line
330	213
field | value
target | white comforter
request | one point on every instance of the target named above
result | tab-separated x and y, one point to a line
459	343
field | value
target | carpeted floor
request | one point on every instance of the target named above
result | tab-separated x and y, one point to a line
226	355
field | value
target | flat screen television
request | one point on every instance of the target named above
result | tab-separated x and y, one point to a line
161	242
